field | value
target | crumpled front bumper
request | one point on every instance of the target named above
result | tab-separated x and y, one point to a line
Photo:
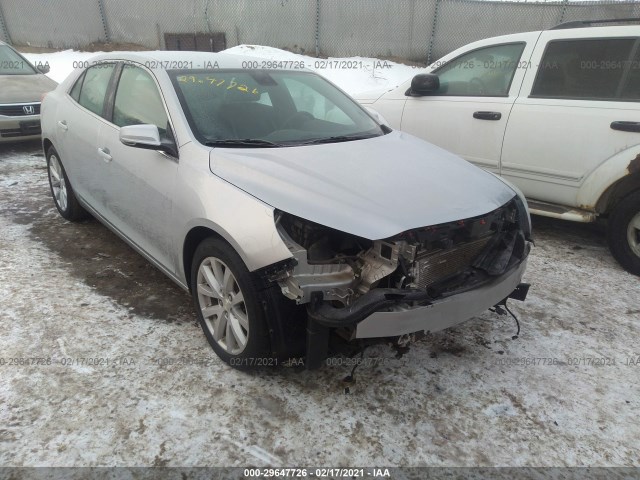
444	313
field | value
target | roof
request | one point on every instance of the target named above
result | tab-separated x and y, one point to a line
591	23
178	60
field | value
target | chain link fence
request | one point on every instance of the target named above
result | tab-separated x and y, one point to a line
462	21
4	36
418	30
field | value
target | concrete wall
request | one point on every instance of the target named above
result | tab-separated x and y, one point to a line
279	23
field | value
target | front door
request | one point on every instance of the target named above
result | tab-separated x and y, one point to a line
469	112
140	182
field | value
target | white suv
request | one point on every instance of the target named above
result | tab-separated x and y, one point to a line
555	112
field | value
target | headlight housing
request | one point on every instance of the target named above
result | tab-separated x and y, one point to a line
523	207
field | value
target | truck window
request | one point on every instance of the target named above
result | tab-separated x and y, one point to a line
631	84
485	72
583	69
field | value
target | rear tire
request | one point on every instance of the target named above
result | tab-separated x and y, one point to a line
231	306
61	190
624	233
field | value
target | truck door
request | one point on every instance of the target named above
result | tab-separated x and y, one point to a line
468	114
574	113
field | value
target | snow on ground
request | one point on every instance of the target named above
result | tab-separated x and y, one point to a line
123	375
155	394
355	75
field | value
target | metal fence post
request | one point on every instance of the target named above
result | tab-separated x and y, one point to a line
103	17
317	28
564	10
4	33
434	24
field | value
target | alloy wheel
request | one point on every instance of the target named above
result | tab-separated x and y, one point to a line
222	304
58	184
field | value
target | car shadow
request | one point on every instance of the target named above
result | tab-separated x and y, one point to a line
94	254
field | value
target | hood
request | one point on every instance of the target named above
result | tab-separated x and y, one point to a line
370	96
374	188
24	88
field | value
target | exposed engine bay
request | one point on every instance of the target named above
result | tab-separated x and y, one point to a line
344	278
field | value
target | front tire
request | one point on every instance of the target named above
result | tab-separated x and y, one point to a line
61	191
624	233
230	306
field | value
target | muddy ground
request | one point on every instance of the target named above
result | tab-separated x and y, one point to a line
102	363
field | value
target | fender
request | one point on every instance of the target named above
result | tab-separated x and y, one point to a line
249	225
596	184
255	259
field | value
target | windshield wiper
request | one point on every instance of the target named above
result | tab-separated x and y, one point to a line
338	138
247	142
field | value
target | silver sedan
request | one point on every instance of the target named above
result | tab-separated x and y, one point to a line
285	208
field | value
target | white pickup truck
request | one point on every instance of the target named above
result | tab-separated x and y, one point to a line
556	112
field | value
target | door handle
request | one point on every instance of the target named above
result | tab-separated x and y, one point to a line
626	126
104	153
487	115
63	125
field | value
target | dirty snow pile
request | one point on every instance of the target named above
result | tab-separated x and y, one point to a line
355	75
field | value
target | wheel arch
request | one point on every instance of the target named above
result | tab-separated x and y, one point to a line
286	328
193	238
46	145
619	190
612	180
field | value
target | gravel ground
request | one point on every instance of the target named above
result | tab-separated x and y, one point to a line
155	394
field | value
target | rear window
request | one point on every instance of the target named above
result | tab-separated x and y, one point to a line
585	69
95	86
75	91
631	85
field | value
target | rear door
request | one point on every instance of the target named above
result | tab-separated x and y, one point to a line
139	182
566	121
468	114
79	119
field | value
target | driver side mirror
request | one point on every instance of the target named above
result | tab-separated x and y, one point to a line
44	68
147	137
423	84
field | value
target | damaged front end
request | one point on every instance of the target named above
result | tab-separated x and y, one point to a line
344	279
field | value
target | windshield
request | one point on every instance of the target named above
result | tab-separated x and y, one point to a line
261	108
13	64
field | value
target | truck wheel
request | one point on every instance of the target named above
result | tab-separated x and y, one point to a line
624	233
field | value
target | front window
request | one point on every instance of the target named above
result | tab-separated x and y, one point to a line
11	63
138	100
485	72
269	108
